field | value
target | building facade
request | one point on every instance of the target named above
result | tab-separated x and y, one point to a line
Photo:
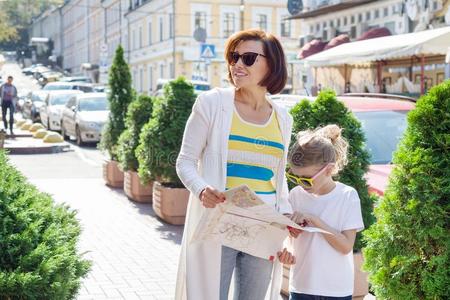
166	37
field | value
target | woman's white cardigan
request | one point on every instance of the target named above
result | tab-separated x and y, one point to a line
202	161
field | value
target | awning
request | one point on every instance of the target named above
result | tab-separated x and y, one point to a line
310	48
336	41
428	42
374	33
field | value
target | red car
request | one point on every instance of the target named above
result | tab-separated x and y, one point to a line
383	119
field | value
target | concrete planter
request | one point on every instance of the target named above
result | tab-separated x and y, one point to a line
170	204
135	190
361	285
112	175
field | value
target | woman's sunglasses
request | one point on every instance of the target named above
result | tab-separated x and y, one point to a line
248	58
306	182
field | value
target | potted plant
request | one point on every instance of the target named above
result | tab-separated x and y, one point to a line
159	144
139	112
326	109
119	98
407	252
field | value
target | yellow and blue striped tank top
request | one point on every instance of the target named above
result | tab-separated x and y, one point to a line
254	153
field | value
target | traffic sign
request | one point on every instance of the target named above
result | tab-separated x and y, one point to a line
207	51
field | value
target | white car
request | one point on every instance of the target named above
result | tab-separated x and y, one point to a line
51	110
199	86
84	117
60	85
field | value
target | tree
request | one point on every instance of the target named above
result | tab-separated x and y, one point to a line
119	98
326	109
139	112
161	137
407	253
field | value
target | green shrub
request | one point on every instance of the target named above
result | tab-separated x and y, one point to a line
407	253
138	114
119	98
161	137
326	109
38	253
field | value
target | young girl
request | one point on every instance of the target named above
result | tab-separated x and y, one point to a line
324	268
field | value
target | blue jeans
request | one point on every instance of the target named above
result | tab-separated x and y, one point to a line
295	296
252	275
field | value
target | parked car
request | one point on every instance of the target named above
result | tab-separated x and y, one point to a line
51	110
76	79
50	76
84	117
32	106
60	85
199	86
383	120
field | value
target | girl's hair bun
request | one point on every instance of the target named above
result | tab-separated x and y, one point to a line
332	132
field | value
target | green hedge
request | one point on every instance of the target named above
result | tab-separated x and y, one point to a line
407	253
38	255
161	137
139	112
325	110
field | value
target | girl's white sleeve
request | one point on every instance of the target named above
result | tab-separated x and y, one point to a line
194	141
285	206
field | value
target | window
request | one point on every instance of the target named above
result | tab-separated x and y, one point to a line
352	20
134	39
171	26
228	24
200	19
161	30
141	79
368	16
360	17
150	78
285	27
149	33
140	37
385	12
325	35
345	21
338	22
435	5
135	79
317	27
311	29
353	32
171	70
262	22
331	23
161	71
324	25
390	26
377	14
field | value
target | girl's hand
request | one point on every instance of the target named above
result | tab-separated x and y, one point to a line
210	197
285	257
307	220
294	232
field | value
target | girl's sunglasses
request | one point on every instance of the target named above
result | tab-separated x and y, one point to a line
248	58
306	182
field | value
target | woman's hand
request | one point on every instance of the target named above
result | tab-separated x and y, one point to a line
294	232
210	197
285	257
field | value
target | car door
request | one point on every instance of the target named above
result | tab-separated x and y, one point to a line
69	116
44	111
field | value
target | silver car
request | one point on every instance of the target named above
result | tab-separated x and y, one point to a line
84	117
51	110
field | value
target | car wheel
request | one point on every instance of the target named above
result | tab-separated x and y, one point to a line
63	133
78	134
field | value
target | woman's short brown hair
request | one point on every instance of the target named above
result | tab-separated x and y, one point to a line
276	77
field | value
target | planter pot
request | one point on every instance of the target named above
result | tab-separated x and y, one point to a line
112	175
170	204
361	285
135	190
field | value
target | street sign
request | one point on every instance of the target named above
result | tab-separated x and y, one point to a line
295	6
207	51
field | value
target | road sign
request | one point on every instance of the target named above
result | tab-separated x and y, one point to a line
207	51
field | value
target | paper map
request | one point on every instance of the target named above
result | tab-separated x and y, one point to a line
244	222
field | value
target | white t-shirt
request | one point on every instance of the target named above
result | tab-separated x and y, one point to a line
320	269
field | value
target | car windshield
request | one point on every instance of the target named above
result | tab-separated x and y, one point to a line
383	131
60	99
55	87
93	104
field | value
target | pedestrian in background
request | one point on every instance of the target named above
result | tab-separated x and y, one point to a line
236	136
8	95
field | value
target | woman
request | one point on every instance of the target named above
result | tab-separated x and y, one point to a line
235	136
